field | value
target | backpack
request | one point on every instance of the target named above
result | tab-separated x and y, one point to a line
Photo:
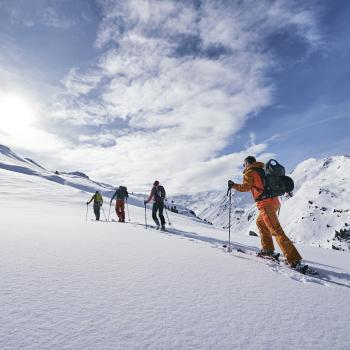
124	189
98	198
122	192
159	194
276	183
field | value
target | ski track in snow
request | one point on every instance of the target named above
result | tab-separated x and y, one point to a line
284	270
68	283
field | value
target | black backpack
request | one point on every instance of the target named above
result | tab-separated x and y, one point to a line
122	192
159	194
276	183
124	189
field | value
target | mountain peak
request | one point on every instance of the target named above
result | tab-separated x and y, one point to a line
5	149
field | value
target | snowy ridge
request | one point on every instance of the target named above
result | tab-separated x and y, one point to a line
35	163
321	206
212	206
10	161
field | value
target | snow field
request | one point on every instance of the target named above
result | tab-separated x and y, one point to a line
131	288
68	283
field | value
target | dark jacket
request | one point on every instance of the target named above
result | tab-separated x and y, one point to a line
120	194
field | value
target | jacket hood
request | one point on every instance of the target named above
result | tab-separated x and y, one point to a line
254	165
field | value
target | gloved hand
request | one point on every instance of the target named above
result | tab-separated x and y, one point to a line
87	203
110	203
145	202
230	183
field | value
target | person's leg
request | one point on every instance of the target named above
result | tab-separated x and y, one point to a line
118	210
154	213
265	235
97	211
161	216
122	210
269	214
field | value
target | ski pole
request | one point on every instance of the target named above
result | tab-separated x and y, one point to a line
87	209
145	216
229	192
127	207
103	211
109	212
166	212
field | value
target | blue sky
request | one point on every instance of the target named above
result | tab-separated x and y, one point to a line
182	91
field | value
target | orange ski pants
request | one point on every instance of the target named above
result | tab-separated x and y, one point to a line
269	225
120	209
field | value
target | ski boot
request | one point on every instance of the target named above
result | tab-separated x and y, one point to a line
268	254
304	269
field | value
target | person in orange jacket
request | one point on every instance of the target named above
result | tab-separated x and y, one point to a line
267	220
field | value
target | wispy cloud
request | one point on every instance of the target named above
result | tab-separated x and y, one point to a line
46	13
173	83
80	84
52	18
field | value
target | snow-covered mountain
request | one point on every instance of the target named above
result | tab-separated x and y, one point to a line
318	214
68	282
10	161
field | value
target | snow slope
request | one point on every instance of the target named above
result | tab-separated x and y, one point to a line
318	214
10	161
213	206
68	283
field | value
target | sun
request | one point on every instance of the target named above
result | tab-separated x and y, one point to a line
16	114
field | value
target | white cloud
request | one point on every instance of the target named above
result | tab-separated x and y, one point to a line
80	84
45	12
52	18
173	84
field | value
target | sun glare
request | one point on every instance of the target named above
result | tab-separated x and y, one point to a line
16	114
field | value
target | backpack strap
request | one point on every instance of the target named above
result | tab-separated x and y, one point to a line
264	195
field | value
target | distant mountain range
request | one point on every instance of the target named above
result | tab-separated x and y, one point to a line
318	214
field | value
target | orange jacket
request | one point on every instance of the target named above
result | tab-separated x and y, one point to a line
253	182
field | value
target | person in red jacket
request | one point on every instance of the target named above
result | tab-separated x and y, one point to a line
267	220
158	195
